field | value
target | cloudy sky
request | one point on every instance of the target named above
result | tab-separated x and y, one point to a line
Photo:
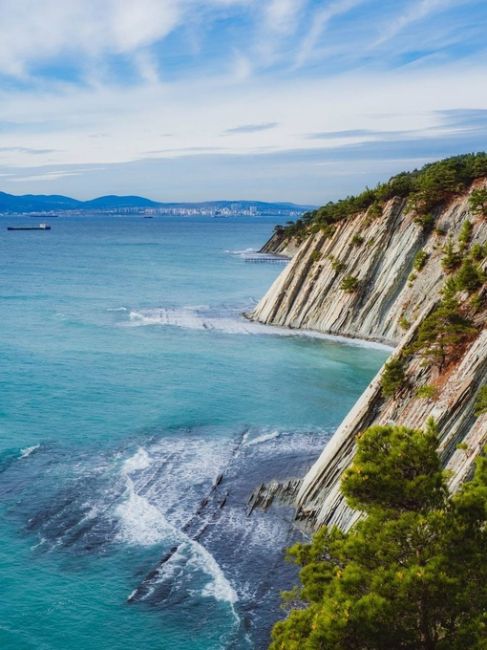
300	100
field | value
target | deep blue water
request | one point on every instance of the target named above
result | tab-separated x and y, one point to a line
130	382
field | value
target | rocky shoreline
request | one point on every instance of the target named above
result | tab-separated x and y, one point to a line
393	298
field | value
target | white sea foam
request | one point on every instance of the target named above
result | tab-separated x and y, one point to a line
231	322
194	319
41	541
141	523
140	460
243	252
27	451
219	587
264	437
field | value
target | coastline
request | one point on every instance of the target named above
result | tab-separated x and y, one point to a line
352	341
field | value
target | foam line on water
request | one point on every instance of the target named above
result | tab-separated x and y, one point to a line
242	253
141	522
230	322
264	437
219	587
144	524
27	451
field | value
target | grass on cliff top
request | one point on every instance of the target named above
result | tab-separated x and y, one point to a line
426	189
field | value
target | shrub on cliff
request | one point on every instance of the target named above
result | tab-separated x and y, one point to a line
393	377
412	574
424	219
468	277
478	202
451	257
337	265
427	391
442	333
420	260
375	211
481	401
478	252
465	234
357	240
349	284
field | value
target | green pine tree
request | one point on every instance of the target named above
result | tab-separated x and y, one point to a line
411	575
478	202
442	333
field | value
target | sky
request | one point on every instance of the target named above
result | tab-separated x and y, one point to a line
281	100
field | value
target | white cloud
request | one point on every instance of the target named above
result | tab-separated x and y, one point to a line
197	114
48	176
282	15
52	124
319	23
242	68
34	32
415	12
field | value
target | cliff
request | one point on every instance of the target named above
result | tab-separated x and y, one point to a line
381	278
380	253
280	244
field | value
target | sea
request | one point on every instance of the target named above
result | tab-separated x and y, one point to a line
138	411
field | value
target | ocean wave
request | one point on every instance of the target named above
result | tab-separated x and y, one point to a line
219	586
264	437
230	322
140	460
141	522
195	318
27	451
243	252
184	494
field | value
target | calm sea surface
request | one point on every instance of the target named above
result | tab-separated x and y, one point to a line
137	412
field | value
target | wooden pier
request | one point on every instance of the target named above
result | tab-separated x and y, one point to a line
266	259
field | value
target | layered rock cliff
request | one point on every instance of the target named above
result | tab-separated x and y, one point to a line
380	253
280	244
396	279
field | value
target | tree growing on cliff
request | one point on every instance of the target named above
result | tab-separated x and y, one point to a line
481	402
451	257
469	277
442	333
412	574
478	202
393	377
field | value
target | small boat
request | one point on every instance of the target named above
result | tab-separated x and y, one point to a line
41	226
148	216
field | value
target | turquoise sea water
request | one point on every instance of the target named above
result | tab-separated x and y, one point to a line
138	409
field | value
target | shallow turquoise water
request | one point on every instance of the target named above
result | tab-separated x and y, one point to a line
129	382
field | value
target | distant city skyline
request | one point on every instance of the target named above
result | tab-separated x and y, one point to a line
272	100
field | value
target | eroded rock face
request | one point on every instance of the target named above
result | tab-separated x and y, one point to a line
307	294
320	501
391	301
279	244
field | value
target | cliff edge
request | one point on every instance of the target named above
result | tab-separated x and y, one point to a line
411	279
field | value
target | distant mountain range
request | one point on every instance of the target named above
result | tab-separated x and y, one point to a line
10	203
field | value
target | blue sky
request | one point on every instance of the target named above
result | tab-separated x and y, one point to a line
299	100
